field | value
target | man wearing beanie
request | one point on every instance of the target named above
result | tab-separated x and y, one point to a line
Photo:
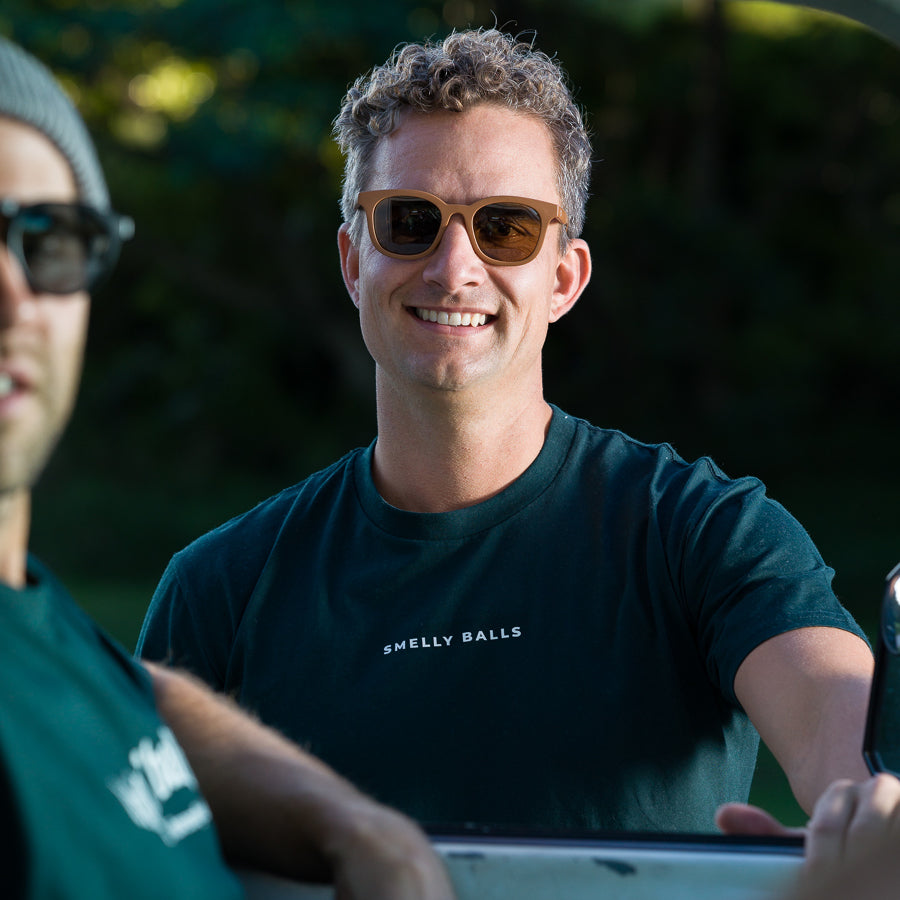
118	780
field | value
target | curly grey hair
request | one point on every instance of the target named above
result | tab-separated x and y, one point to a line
465	69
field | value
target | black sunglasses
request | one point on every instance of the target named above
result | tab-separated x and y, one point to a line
504	231
62	247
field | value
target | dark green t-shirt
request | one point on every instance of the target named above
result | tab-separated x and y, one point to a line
96	797
559	656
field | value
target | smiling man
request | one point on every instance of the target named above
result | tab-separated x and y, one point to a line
506	614
480	382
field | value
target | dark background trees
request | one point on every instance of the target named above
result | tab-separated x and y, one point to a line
745	223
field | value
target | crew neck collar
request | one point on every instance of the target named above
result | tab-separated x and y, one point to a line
462	523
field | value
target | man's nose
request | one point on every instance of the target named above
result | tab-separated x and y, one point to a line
454	263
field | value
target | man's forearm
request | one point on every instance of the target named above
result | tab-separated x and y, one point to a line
806	691
278	808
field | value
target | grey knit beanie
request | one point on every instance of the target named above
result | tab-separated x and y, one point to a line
30	93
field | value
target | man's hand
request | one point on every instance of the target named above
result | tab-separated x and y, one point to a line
742	818
384	856
851	818
853	842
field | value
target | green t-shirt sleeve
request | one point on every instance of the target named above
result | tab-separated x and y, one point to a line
746	570
200	602
171	633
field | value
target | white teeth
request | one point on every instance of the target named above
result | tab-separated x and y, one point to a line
6	384
455	318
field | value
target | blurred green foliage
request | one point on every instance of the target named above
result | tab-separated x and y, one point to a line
744	222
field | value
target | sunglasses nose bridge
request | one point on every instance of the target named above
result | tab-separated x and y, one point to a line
454	218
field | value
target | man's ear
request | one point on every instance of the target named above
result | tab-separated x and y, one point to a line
572	275
349	263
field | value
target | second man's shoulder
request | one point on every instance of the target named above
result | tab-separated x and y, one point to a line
264	521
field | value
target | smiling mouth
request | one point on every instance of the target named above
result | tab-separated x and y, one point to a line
442	317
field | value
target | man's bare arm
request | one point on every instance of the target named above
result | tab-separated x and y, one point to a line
280	810
807	691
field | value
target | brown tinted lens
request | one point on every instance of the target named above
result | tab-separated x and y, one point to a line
507	232
406	225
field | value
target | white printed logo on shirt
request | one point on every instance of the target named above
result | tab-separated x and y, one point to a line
447	640
157	770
